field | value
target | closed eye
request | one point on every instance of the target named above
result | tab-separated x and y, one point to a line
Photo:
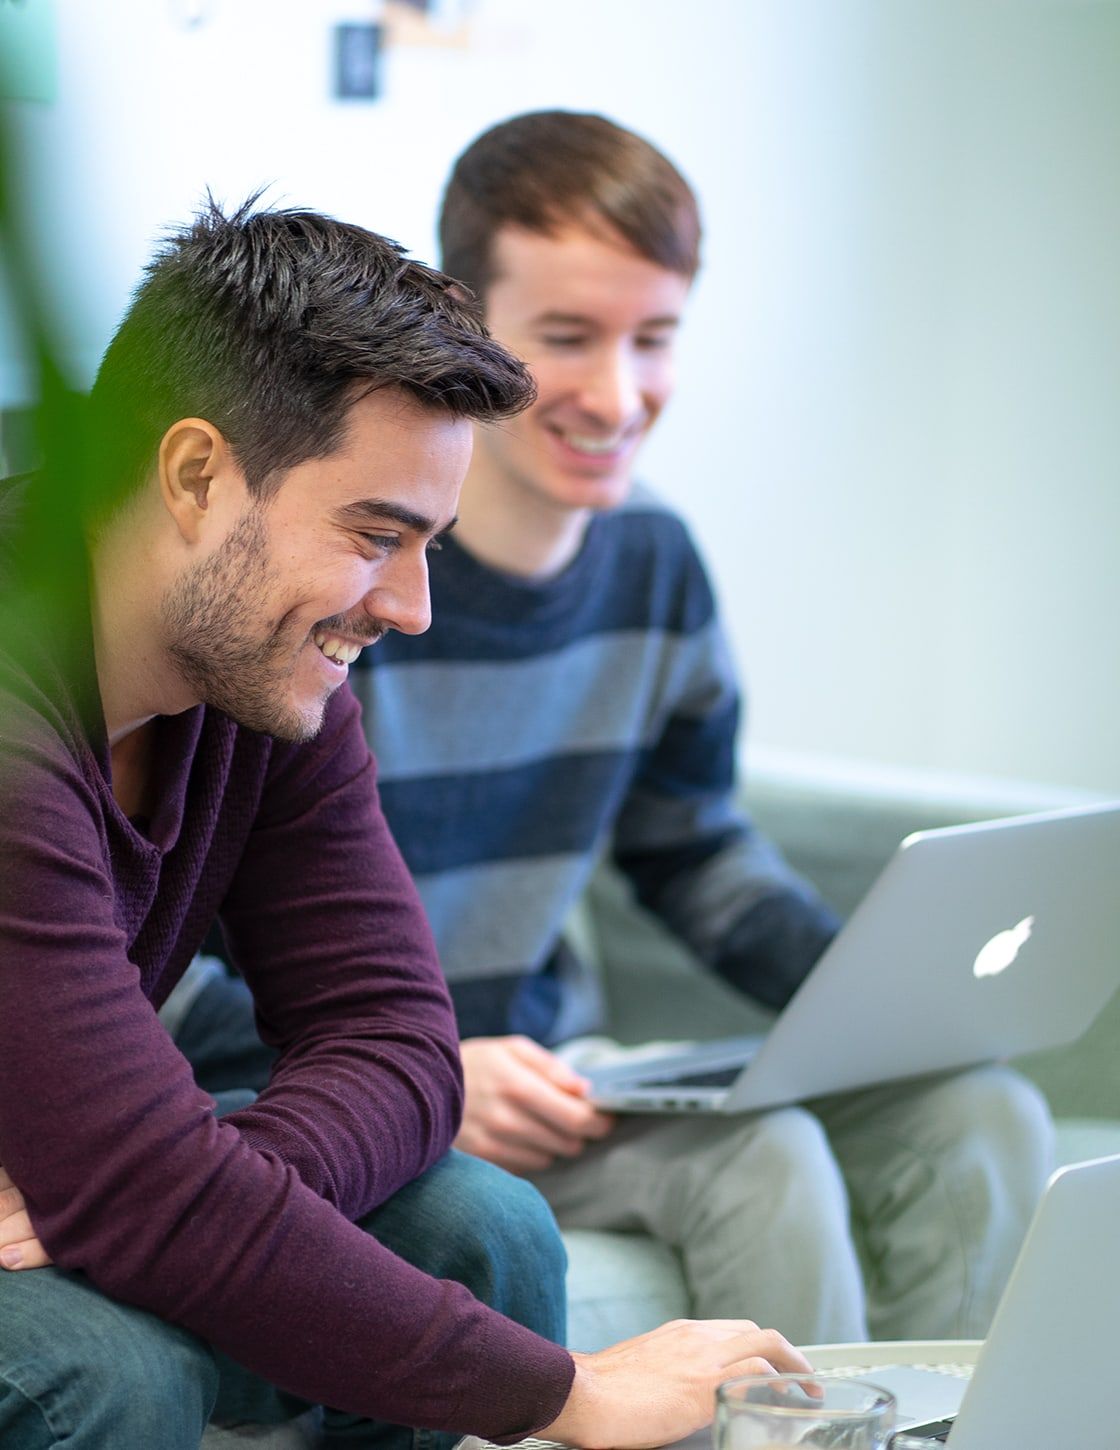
389	543
386	543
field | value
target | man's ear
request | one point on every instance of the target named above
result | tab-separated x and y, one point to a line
196	470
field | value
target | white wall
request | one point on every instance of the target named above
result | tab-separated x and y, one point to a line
897	427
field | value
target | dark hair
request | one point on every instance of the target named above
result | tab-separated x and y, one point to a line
270	324
546	169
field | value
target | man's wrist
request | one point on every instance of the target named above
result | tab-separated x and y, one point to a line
573	1425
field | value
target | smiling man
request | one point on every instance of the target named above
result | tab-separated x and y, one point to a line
280	427
577	652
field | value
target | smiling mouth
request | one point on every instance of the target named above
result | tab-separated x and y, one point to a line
341	651
595	445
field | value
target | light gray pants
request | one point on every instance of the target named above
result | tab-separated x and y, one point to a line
894	1213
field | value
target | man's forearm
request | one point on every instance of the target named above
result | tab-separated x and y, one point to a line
358	1119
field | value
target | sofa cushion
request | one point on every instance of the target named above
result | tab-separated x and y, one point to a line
619	1285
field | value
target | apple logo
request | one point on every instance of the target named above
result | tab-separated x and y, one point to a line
997	955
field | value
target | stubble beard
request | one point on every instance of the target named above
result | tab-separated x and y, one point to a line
211	621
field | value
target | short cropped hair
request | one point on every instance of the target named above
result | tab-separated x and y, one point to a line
270	324
549	169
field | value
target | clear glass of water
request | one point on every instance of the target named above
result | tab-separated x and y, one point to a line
766	1412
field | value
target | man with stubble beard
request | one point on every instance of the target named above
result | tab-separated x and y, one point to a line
278	433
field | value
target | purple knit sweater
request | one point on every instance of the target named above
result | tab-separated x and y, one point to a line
239	1229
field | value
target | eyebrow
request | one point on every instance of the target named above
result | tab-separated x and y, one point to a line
578	319
381	510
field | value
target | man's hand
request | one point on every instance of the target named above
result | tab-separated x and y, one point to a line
661	1386
524	1107
19	1248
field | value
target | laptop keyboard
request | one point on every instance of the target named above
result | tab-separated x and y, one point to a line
936	1432
722	1077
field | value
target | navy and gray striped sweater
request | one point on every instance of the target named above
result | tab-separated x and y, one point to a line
538	725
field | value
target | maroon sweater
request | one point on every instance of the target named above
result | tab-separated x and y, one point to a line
240	1228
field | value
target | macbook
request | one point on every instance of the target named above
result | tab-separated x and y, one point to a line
977	942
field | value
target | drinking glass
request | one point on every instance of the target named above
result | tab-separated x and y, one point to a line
767	1412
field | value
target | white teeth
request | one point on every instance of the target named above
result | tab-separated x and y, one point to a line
594	445
336	649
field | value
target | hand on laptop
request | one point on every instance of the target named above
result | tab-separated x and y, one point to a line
524	1107
17	1237
661	1386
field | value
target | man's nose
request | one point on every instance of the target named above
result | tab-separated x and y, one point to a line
401	598
611	391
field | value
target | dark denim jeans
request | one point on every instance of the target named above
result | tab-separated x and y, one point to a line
80	1370
218	1032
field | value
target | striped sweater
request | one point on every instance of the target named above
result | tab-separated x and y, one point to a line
539	725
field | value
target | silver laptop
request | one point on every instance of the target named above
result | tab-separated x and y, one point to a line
976	942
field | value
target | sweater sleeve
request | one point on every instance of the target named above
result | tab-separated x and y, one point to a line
690	853
215	1225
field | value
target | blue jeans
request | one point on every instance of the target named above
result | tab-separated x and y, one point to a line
210	1016
80	1370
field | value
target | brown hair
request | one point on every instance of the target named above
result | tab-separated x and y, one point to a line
270	324
542	170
